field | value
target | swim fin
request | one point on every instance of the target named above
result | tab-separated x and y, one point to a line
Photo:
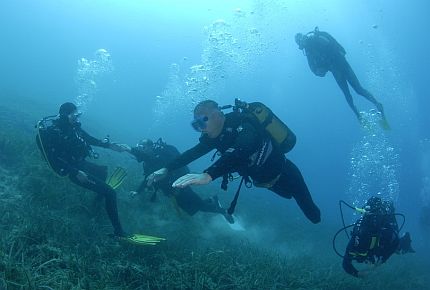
405	244
117	177
175	204
219	209
384	124
143	240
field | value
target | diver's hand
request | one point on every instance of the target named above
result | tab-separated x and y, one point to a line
378	263
192	179
119	147
82	177
365	272
156	176
133	194
320	72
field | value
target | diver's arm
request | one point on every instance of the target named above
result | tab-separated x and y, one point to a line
189	156
348	267
138	154
247	143
182	160
94	141
314	66
104	143
347	257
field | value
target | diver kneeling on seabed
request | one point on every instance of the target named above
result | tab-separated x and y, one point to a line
65	146
155	155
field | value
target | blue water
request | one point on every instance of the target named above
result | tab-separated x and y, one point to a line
164	56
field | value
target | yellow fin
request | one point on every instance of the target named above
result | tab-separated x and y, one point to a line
117	177
384	124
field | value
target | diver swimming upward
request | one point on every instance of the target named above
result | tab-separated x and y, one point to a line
325	54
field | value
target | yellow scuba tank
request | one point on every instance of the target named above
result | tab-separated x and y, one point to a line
277	129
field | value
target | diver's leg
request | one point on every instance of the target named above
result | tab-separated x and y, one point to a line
358	88
292	184
339	76
100	187
95	171
189	201
348	257
405	244
212	205
99	171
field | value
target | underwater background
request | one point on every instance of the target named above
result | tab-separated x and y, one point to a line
137	69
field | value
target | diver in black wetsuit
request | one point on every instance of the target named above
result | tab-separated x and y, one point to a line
375	237
325	54
65	146
245	149
157	155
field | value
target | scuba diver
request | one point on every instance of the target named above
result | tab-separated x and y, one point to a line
65	147
246	145
156	155
375	237
325	54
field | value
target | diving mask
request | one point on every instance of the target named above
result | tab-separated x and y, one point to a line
200	123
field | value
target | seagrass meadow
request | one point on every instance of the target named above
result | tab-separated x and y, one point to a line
53	236
343	84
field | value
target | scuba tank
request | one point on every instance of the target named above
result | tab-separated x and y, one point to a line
44	127
277	129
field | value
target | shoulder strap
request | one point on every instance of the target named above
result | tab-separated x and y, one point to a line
233	203
253	120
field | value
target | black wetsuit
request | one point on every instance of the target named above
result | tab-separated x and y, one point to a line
246	148
66	147
186	198
374	239
325	54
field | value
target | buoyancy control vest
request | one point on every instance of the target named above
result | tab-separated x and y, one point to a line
276	129
267	122
60	148
45	132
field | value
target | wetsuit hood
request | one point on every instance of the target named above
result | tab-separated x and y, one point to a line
67	108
